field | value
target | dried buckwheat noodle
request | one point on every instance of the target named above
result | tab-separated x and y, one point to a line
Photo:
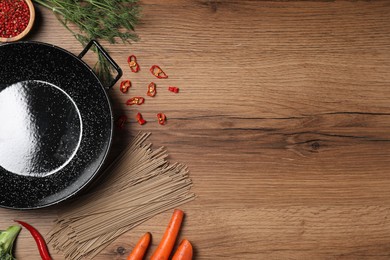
140	184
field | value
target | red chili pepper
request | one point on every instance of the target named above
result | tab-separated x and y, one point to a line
158	72
133	64
121	121
125	85
42	247
140	119
135	101
151	89
173	89
161	118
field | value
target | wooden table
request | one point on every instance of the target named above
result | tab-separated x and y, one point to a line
283	118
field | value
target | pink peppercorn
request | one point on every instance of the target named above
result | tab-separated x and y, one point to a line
14	17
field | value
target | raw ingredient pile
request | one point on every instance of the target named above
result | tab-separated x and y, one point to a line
14	17
151	91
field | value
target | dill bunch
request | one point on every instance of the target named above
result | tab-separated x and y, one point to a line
97	19
109	20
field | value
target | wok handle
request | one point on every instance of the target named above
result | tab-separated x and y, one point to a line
107	56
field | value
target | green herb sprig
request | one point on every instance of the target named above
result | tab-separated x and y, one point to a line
109	20
97	19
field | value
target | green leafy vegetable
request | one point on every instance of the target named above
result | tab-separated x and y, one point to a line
7	238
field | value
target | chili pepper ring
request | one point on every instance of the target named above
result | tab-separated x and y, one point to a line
173	89
151	89
162	118
140	119
158	72
133	64
135	101
125	85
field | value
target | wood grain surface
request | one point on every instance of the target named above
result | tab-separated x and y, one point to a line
283	118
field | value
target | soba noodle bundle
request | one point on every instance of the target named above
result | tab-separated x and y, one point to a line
141	184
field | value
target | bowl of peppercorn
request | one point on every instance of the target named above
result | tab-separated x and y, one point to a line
16	19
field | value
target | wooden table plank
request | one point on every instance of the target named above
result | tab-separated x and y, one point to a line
283	118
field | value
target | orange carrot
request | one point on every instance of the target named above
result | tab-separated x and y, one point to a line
140	248
165	247
184	251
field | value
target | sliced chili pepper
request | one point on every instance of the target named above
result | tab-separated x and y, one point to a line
133	64
135	101
161	118
151	89
125	85
158	72
140	119
121	121
42	247
173	89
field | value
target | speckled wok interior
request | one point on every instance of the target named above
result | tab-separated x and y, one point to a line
34	61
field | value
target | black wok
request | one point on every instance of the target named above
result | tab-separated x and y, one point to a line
56	124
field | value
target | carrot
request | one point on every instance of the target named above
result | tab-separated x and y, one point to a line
140	248
165	247
184	251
